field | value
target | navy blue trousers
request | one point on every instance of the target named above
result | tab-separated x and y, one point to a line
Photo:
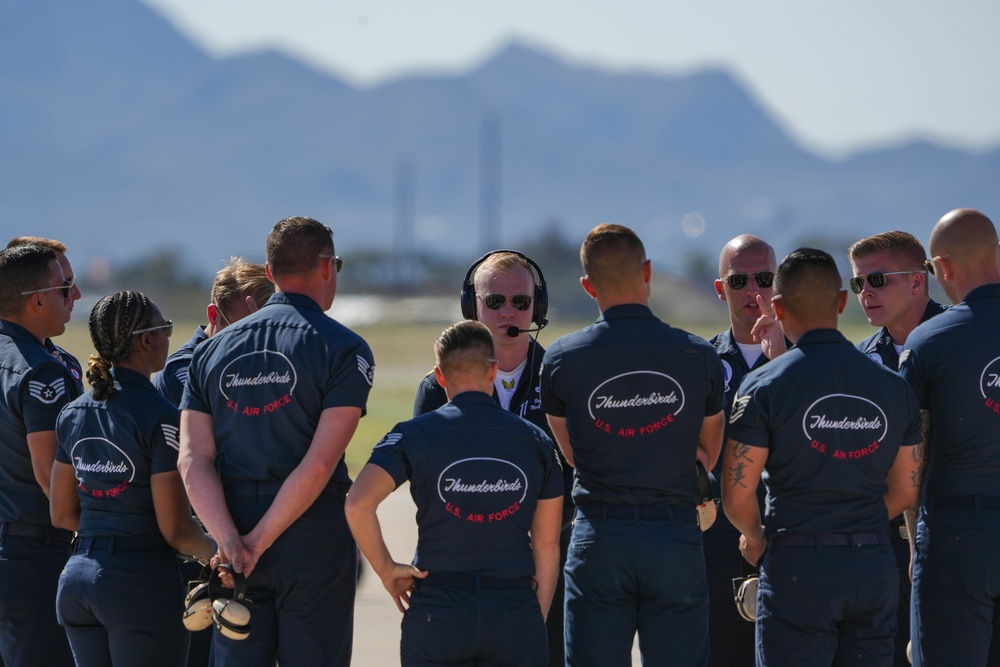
473	624
640	574
123	606
731	638
302	590
956	586
30	635
827	605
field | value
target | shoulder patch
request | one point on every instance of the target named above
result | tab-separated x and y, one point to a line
170	436
904	356
182	375
739	407
47	393
366	369
389	440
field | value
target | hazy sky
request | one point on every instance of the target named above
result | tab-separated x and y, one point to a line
842	74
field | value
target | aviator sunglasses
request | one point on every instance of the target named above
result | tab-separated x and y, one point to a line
496	301
738	281
167	326
876	279
66	287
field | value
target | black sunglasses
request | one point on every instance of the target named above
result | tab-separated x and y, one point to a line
66	287
929	263
496	301
738	281
337	261
876	279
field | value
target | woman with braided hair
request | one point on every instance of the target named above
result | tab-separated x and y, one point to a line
115	482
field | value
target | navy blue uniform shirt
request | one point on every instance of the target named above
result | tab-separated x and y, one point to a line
833	423
634	392
115	447
69	361
526	403
34	386
953	363
476	474
879	345
171	380
267	379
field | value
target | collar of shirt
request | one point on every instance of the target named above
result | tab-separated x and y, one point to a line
474	397
293	299
126	376
15	330
627	310
984	292
822	336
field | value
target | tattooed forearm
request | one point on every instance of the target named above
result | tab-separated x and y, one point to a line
741	451
736	475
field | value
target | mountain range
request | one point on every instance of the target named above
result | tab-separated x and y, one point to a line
120	136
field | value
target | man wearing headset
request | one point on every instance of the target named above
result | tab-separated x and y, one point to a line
500	290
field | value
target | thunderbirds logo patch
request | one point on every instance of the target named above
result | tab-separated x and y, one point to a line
47	393
989	386
102	469
636	404
482	490
845	427
258	383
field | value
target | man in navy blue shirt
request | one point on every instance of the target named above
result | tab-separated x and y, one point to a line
746	283
239	289
833	435
891	283
489	497
634	404
953	363
271	403
59	248
502	292
34	305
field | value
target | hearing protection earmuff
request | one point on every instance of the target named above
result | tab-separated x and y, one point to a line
540	301
208	602
708	508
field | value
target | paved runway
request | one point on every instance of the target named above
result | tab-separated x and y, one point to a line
376	619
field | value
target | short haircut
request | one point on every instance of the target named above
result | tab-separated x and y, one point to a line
238	280
503	262
809	283
51	244
902	244
465	346
112	321
612	256
23	268
295	244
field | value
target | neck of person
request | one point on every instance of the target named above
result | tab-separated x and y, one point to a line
510	352
36	329
137	363
900	331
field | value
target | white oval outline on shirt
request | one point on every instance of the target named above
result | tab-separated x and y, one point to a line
590	399
295	375
82	440
885	427
483	458
983	375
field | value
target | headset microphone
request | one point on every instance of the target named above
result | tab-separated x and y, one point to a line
514	332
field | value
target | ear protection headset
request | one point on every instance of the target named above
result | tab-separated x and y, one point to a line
708	508
209	602
745	595
540	299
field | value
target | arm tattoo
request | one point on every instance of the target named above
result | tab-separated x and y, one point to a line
737	475
740	451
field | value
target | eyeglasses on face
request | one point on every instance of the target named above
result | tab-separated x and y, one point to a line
929	264
66	287
496	301
738	281
167	326
876	279
337	261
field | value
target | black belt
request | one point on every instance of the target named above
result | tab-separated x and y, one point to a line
271	488
970	501
113	543
47	533
682	515
476	581
829	539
